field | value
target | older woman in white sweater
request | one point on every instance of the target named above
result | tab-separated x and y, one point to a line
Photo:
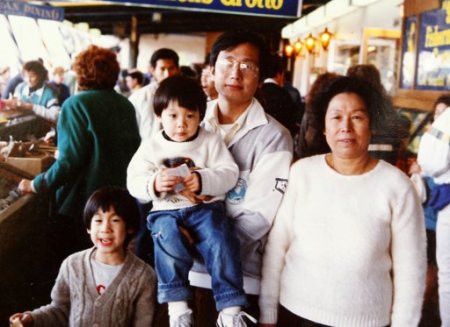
348	244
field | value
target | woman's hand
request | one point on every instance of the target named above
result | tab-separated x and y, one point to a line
21	319
164	182
10	104
17	104
25	186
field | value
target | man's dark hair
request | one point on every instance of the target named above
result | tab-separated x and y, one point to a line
274	66
118	198
185	90
164	53
137	75
230	40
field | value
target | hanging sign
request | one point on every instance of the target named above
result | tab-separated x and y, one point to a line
433	67
279	8
21	8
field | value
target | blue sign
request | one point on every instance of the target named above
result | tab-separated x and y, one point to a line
433	67
21	8
276	8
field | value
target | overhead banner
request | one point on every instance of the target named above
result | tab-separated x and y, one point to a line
277	8
21	8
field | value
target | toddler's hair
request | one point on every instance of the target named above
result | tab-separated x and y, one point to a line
186	91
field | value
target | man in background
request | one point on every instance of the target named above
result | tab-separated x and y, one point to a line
134	80
275	99
163	63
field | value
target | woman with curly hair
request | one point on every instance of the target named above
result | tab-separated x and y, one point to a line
34	94
97	136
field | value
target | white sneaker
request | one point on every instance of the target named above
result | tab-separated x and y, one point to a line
234	320
184	320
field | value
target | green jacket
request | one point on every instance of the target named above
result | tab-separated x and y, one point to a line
97	136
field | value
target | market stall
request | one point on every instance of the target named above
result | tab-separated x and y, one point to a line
25	262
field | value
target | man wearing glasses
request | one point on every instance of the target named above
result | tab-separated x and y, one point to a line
261	147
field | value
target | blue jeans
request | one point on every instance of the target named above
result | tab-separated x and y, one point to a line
214	240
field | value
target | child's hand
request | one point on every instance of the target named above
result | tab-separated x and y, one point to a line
192	182
21	319
164	182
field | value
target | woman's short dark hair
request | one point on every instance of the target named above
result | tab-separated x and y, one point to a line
230	40
96	68
374	100
118	198
38	68
186	91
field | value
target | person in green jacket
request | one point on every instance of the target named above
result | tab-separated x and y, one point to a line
97	135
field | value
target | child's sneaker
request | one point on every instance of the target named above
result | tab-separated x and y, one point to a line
184	320
234	320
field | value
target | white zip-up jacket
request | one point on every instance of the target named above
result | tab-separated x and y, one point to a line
262	148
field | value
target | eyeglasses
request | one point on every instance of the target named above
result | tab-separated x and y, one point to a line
244	67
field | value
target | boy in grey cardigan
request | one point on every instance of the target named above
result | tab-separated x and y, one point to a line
105	285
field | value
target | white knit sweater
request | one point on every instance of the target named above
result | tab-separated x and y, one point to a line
207	151
346	250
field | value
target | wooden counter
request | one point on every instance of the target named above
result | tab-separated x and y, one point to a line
27	270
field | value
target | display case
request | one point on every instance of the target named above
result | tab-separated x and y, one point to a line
22	127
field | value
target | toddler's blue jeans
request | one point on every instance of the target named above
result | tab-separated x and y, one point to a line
214	241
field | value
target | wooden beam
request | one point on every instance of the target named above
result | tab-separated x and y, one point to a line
414	7
416	99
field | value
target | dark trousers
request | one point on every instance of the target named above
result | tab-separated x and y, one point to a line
143	243
288	319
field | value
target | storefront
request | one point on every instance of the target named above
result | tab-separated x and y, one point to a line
425	57
358	32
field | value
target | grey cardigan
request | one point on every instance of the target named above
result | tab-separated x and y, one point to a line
128	301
